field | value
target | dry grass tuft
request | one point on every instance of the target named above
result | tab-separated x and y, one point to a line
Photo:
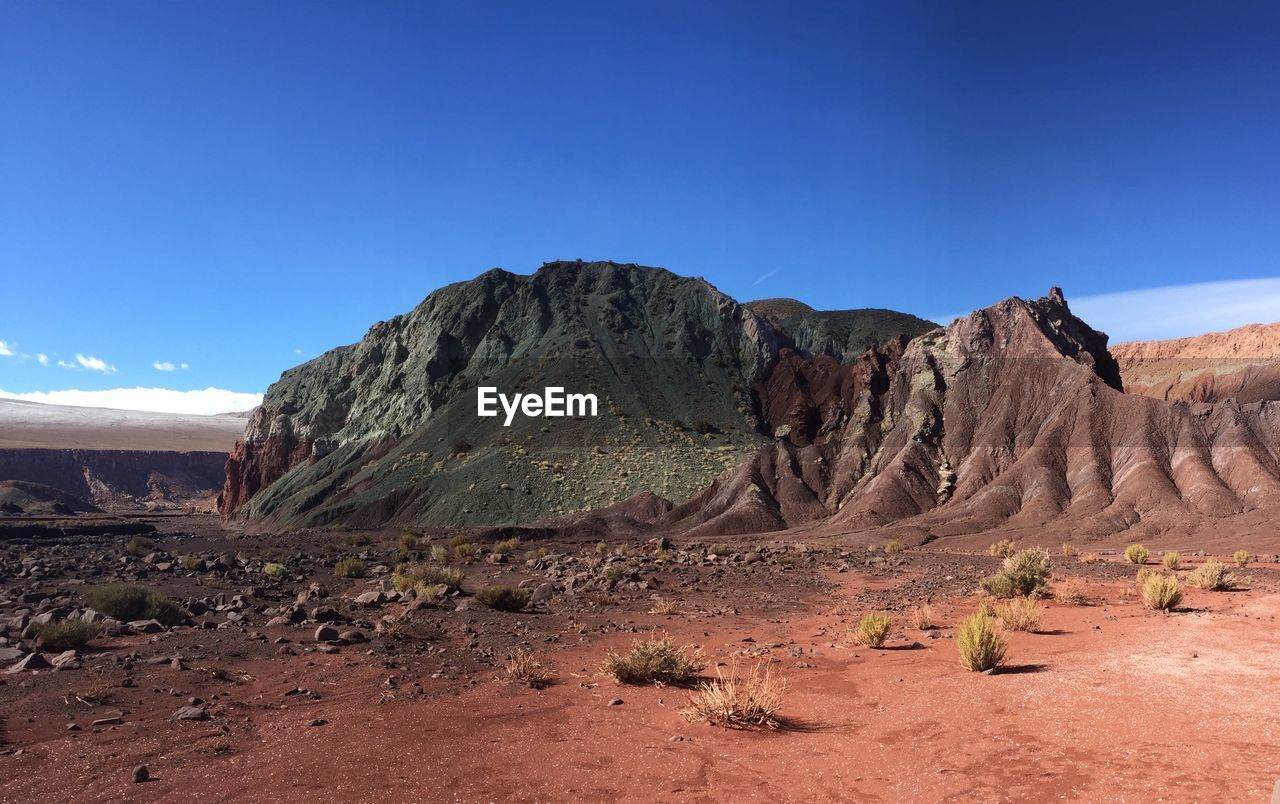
1211	575
893	547
1136	554
1071	591
1002	549
872	629
655	661
1021	615
747	703
981	648
1068	550
522	668
1242	558
922	617
1171	559
663	607
1160	592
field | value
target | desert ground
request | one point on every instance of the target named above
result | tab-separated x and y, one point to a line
407	698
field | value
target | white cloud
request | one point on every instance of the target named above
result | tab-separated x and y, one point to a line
165	365
6	349
91	363
42	359
163	400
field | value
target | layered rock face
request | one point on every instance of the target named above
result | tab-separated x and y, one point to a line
386	430
1241	364
120	479
1010	419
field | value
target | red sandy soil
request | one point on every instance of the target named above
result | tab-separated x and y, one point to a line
1108	702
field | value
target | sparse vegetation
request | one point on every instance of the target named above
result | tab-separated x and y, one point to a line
522	668
872	629
275	570
505	547
602	549
439	553
981	648
986	607
1136	554
139	545
663	607
534	555
133	601
1023	573
188	562
893	546
1090	558
503	598
1160	592
359	540
1002	549
1071	591
720	550
422	577
922	617
408	545
658	660
1068	550
66	634
1242	558
1021	615
464	551
1171	559
752	702
1211	575
349	568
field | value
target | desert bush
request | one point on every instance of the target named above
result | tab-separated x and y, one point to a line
922	617
1068	550
1160	592
602	549
655	661
439	553
420	576
408	544
981	648
188	562
1021	615
1002	549
1136	554
275	570
506	547
139	545
986	608
663	607
524	669
872	629
893	546
752	702
458	539
534	555
1023	573
1242	558
720	550
1090	558
503	598
1171	559
1071	590
349	568
66	634
359	540
1144	573
132	601
464	551
1211	575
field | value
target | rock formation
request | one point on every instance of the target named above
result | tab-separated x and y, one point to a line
1241	364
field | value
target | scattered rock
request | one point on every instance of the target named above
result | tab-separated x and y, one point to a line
141	774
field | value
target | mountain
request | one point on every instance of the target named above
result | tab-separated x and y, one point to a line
386	430
1011	419
840	334
1241	364
119	459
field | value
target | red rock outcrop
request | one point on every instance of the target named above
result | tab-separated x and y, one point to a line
1241	364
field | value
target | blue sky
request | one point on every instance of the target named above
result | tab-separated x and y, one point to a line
236	187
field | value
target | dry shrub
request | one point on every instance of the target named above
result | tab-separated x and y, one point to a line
986	607
1023	573
133	601
1160	592
521	667
922	617
1242	558
1068	550
506	547
1090	558
1211	575
981	648
747	703
663	607
1021	615
893	546
1071	590
503	598
1136	554
349	568
655	661
872	629
66	635
420	577
1171	559
1002	549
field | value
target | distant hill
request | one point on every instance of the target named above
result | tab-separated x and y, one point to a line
842	334
1241	364
26	425
18	497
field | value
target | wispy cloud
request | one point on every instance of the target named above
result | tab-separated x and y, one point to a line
165	365
6	349
162	400
42	359
769	275
91	363
1173	311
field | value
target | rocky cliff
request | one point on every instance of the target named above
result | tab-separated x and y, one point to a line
115	479
385	430
1241	364
840	334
